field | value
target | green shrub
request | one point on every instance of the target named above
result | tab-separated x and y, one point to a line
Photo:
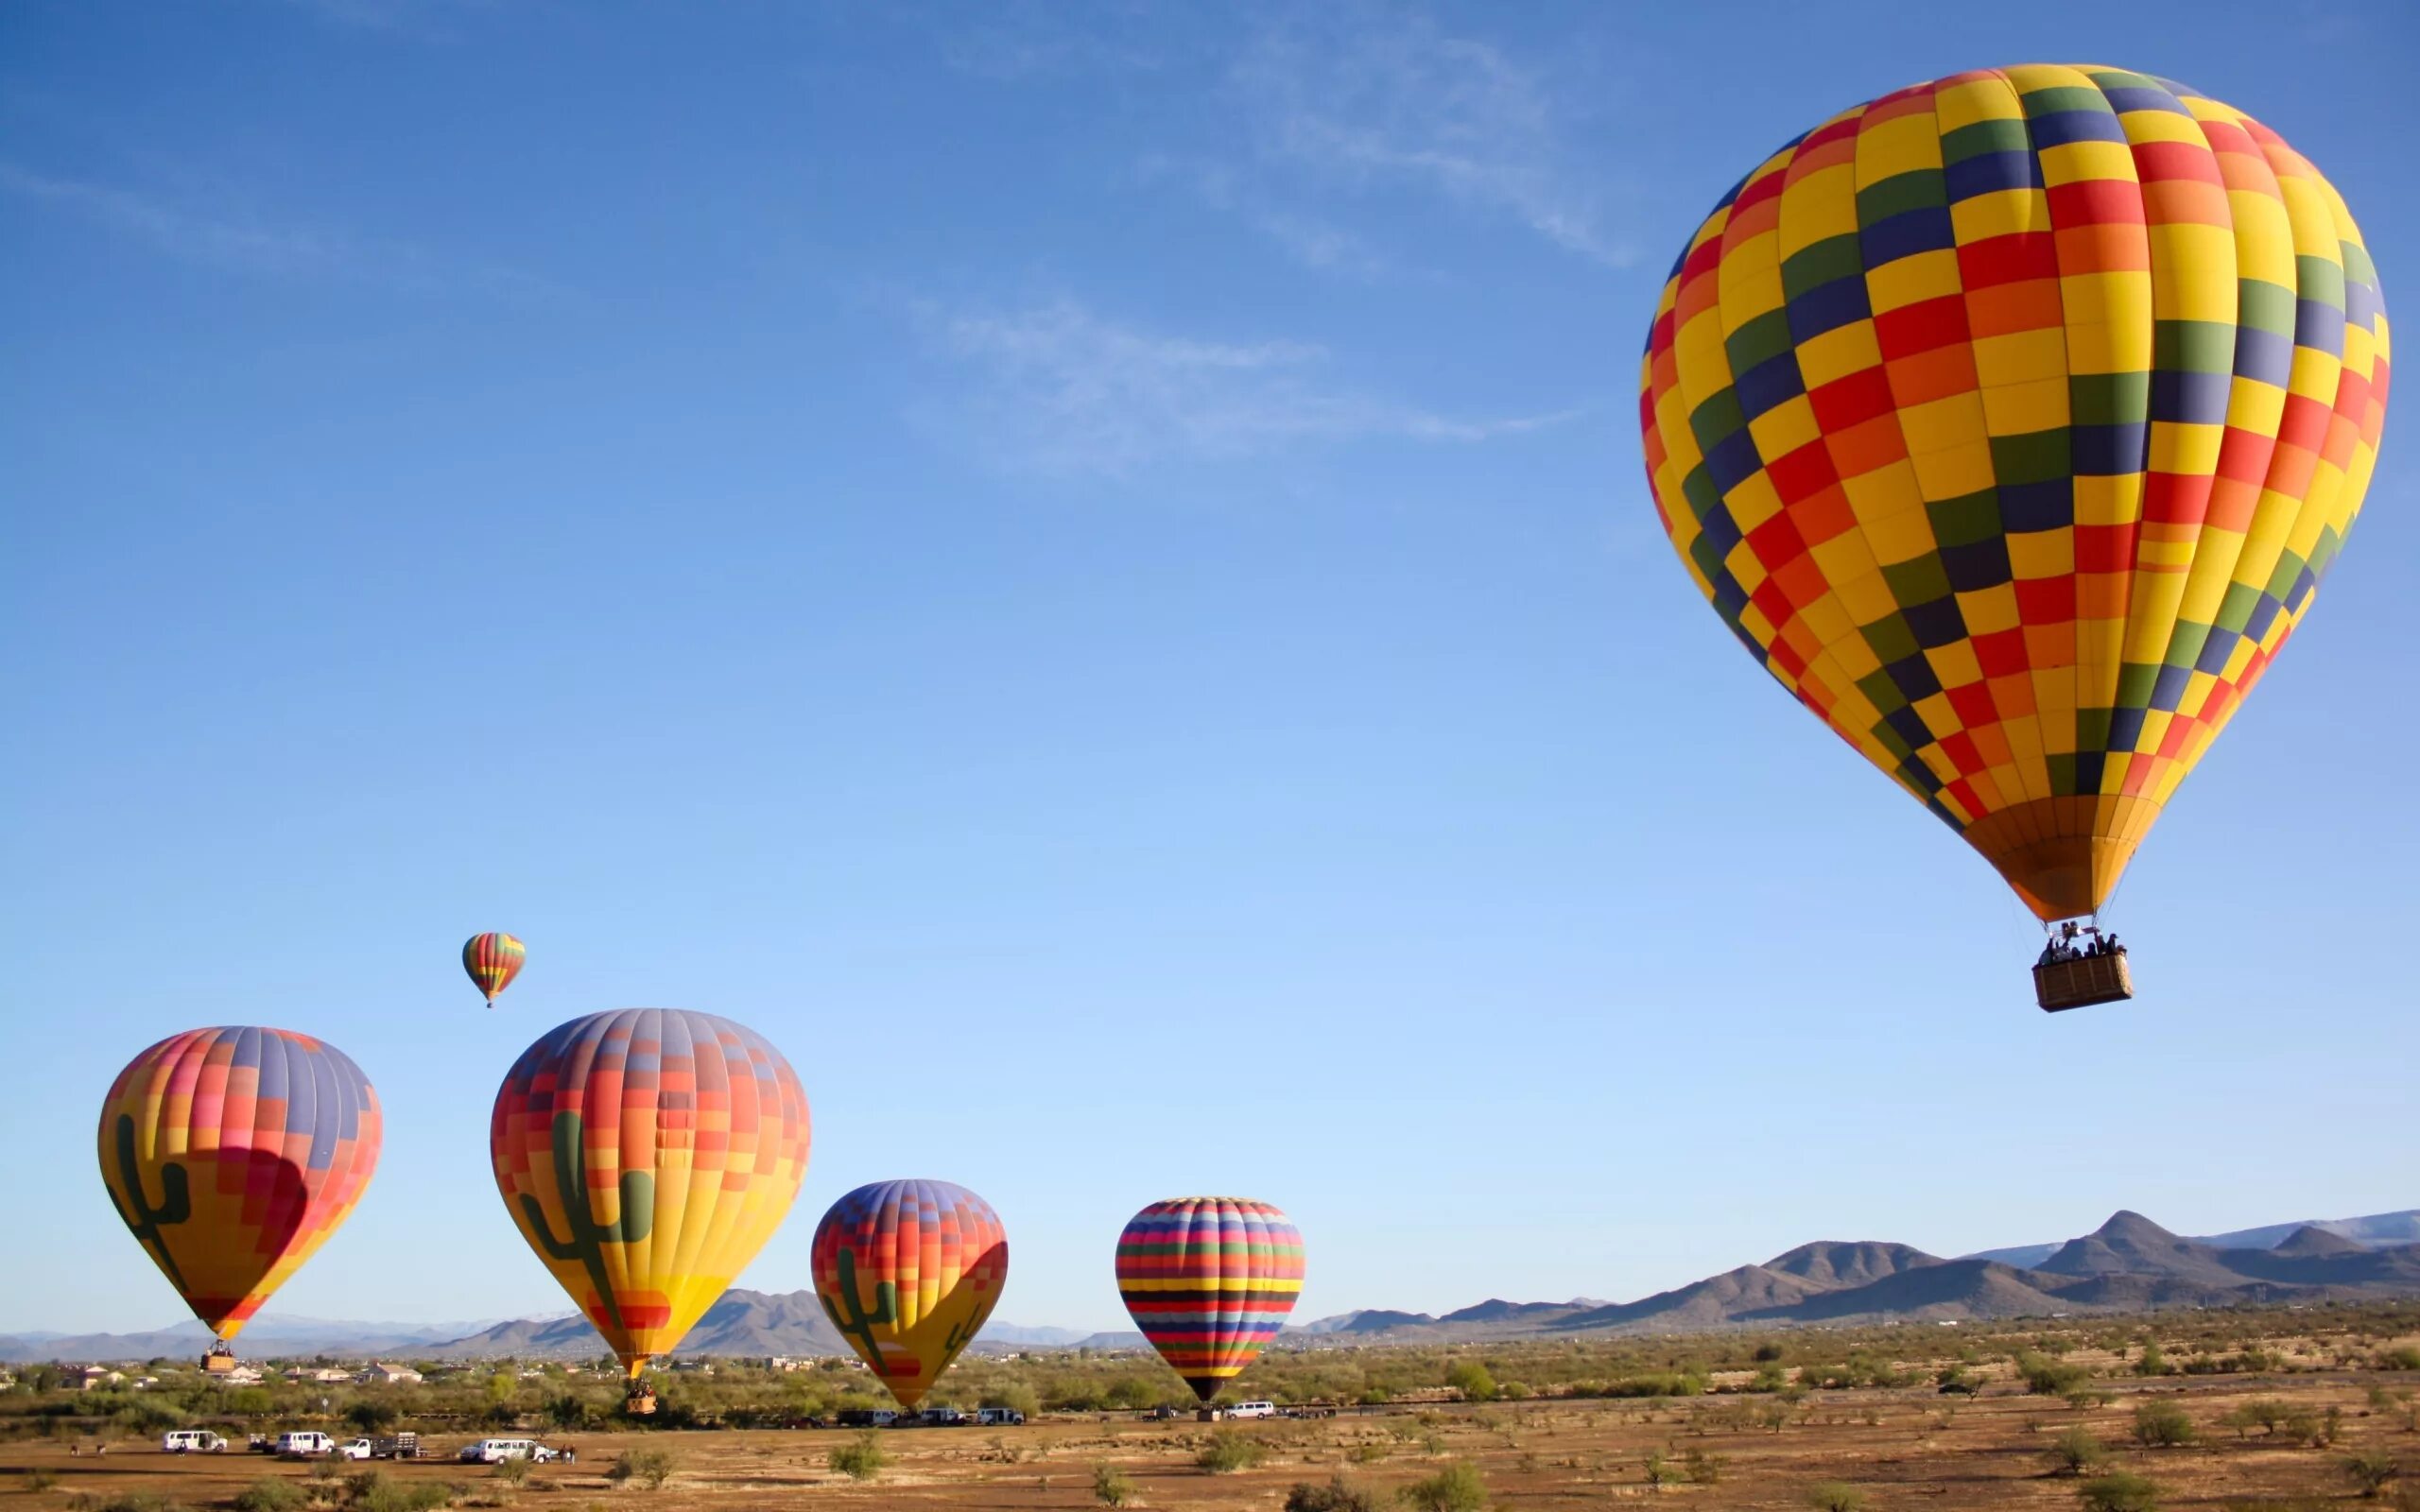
1112	1487
1336	1496
1833	1497
40	1481
2118	1491
270	1495
2402	1357
861	1459
1472	1380
2162	1425
648	1469
2045	1377
1457	1487
2371	1470
1228	1452
2075	1451
1702	1469
512	1471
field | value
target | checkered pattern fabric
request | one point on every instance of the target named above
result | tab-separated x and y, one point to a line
2010	420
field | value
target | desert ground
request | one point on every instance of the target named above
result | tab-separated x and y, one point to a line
1895	1449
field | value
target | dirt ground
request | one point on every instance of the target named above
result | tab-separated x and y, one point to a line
1901	1448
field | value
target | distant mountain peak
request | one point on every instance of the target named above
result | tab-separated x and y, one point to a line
2127	1223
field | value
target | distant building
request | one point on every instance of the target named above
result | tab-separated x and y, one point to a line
243	1375
782	1362
94	1377
382	1374
325	1375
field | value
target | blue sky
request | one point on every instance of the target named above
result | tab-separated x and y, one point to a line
1087	571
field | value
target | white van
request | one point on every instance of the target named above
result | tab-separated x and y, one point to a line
999	1417
192	1441
306	1443
1252	1409
496	1451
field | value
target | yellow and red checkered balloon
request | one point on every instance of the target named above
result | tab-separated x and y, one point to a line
2010	420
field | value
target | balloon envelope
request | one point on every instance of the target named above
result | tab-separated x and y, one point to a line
2010	420
232	1154
493	960
1209	1280
647	1154
907	1271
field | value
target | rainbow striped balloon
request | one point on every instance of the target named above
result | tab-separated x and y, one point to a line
2010	420
493	961
1209	1280
907	1271
232	1154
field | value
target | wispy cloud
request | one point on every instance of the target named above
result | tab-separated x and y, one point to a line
1056	388
1397	102
1025	39
1313	240
248	245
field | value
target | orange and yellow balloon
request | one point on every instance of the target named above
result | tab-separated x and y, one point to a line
647	1154
232	1154
493	960
2010	420
907	1271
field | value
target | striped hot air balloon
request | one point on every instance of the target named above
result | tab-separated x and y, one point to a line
2010	420
493	961
232	1154
647	1154
1209	1280
907	1271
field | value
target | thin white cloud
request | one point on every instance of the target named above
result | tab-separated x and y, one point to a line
251	246
1025	39
1315	241
1396	101
1057	390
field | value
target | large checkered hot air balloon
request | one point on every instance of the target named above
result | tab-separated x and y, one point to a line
1209	1280
907	1271
647	1154
2010	420
232	1154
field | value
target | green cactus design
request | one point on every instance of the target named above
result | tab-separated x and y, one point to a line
957	1339
589	1237
849	1315
175	1200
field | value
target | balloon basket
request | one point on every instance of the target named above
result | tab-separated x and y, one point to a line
640	1402
218	1362
2083	981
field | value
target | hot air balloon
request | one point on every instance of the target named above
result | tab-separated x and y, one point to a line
1209	1280
907	1271
493	961
647	1154
2010	420
232	1154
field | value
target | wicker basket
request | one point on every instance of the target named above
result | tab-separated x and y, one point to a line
2082	982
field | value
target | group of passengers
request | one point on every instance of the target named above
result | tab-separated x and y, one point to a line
2071	944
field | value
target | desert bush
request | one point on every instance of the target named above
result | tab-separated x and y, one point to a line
1832	1496
2264	1413
1229	1451
2153	1363
512	1471
272	1494
2118	1491
2162	1425
2402	1357
2045	1377
1457	1487
379	1494
1112	1487
2075	1451
1659	1470
38	1481
371	1416
861	1459
1472	1380
1337	1495
648	1469
1367	1454
137	1501
1702	1469
2371	1470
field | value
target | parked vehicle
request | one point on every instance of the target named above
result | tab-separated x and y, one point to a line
1163	1412
402	1445
999	1417
192	1441
353	1449
867	1418
306	1443
496	1451
1252	1409
940	1417
259	1444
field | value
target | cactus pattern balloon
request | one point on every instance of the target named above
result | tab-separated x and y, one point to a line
907	1271
647	1154
232	1154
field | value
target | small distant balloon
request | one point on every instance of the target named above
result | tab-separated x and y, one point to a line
1209	1280
493	960
908	1271
232	1154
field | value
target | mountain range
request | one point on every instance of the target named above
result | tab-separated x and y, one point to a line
2129	1264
